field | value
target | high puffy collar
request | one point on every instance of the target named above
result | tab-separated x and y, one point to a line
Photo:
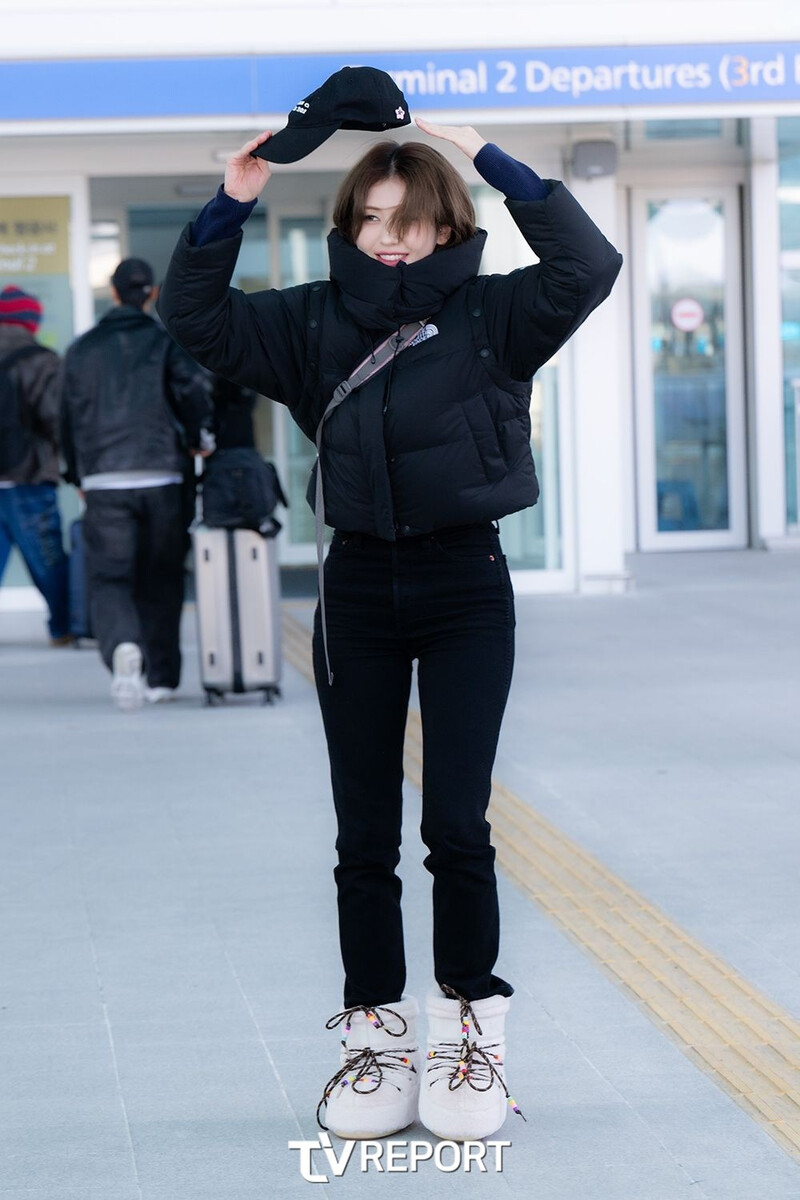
381	297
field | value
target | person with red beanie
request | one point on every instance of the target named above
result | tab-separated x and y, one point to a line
29	455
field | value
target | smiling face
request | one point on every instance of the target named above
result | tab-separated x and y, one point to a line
377	237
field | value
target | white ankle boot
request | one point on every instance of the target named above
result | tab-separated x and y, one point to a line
375	1091
463	1095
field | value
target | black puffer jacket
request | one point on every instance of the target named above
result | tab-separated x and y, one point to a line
441	437
131	398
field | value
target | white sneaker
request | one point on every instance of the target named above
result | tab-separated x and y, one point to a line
160	695
463	1095
374	1092
127	685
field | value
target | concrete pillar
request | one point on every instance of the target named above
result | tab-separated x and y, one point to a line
598	419
767	451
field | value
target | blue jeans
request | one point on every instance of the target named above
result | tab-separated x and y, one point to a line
29	519
446	601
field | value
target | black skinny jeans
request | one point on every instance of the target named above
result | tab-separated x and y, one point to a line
136	542
446	600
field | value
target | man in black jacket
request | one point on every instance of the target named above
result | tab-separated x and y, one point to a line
132	403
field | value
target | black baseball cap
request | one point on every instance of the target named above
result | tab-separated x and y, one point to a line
353	98
133	275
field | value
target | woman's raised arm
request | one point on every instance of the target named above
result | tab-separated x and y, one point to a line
246	176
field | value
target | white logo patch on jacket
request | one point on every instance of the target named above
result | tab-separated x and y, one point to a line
427	331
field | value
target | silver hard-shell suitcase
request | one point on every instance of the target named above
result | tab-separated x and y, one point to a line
238	612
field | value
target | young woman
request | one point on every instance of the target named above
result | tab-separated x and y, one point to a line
418	464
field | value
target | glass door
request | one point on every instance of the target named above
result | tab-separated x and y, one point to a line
689	391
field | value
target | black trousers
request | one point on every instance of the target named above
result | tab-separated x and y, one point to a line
445	600
136	542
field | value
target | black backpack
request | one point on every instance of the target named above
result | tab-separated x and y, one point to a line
17	435
241	491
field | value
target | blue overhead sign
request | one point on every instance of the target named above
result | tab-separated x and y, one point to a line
566	78
629	75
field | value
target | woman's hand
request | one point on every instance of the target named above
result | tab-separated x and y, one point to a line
245	176
464	137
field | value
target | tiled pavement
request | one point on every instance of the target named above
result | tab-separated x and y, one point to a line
167	925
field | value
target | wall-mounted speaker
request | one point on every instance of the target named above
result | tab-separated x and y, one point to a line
592	160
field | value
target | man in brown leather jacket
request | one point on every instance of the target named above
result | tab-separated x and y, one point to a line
29	455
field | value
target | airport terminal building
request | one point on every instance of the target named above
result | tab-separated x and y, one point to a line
669	422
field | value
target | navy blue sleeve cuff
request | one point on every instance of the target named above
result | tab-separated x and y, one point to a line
512	178
222	217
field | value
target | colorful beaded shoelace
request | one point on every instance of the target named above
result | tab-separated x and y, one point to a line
364	1069
467	1062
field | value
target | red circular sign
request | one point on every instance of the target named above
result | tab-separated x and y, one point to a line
687	314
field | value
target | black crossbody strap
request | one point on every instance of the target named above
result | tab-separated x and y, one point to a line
379	358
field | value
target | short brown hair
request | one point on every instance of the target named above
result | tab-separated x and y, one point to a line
435	192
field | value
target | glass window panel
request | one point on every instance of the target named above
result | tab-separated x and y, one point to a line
153	232
791	415
789	202
789	210
304	250
789	149
686	274
104	255
681	130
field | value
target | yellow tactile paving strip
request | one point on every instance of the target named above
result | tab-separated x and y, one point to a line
749	1045
297	640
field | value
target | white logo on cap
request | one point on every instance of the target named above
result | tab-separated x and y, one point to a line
301	108
399	113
